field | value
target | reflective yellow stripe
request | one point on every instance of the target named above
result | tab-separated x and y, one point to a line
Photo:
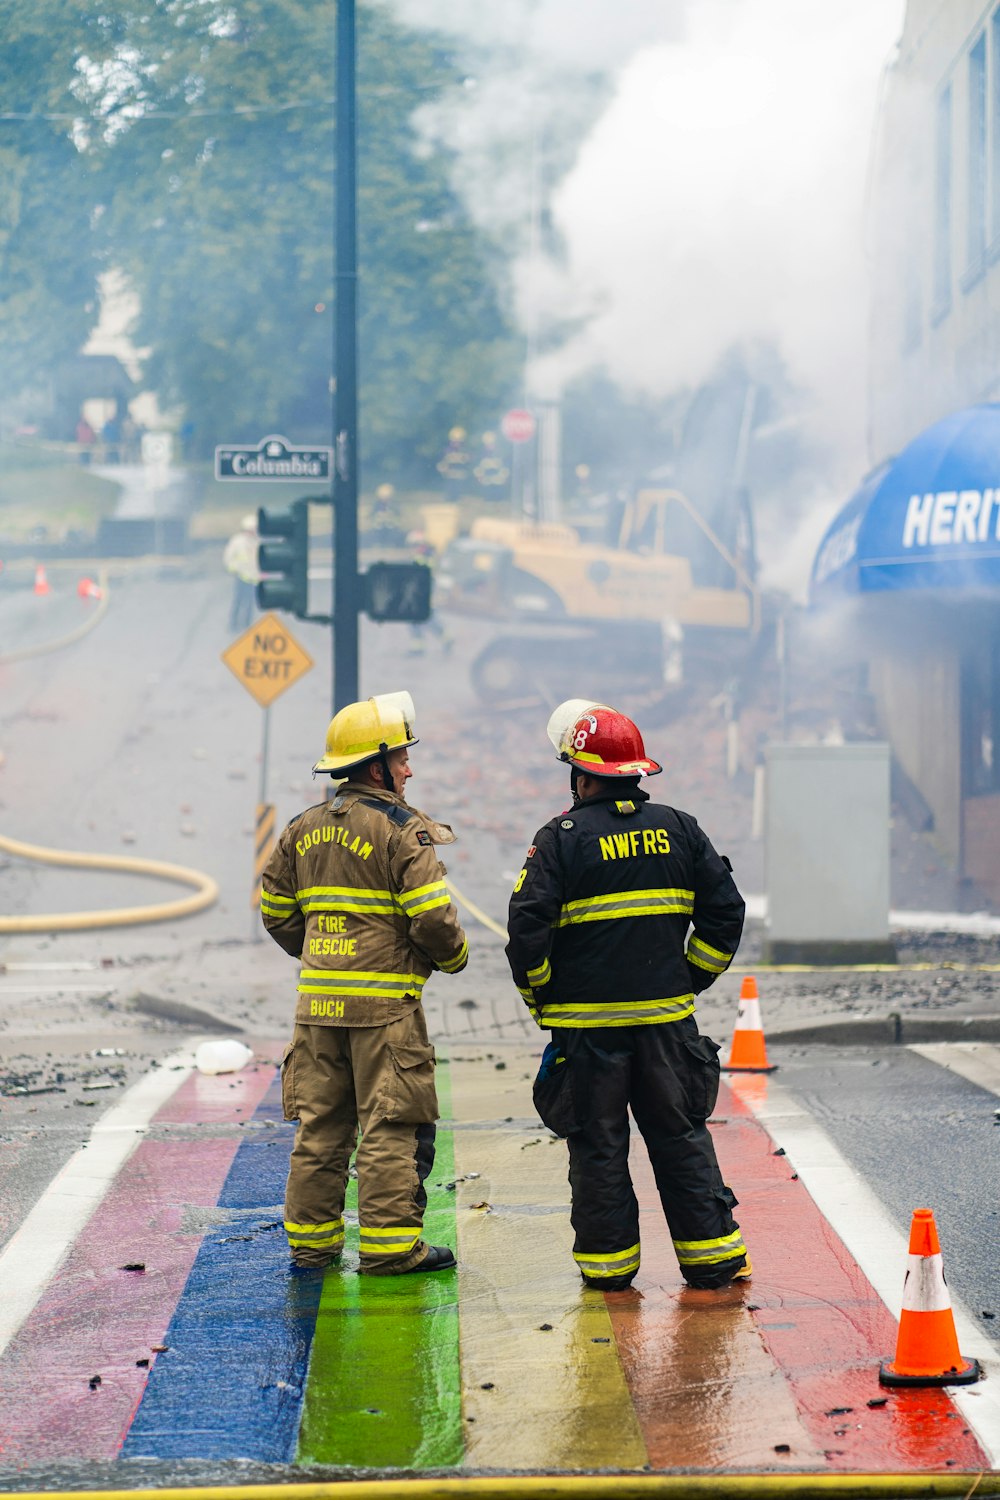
388	1241
419	895
528	996
705	963
649	903
697	942
622	1013
328	1236
347	898
452	965
613	1263
278	900
428	904
705	957
273	910
358	982
710	1252
541	975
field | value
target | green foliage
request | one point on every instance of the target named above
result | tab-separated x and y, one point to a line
217	163
48	251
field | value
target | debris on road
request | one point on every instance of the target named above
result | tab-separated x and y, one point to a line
224	1056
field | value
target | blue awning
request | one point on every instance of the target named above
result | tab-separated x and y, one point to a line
929	519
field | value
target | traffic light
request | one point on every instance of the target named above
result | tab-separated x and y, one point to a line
286	559
398	591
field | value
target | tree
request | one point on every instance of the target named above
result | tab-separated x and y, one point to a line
217	161
48	238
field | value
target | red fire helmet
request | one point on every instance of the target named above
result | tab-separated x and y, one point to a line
604	742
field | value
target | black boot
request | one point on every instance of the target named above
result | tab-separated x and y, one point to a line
438	1258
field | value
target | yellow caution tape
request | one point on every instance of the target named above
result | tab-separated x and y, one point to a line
475	911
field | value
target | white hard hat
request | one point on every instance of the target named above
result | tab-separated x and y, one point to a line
565	716
249	523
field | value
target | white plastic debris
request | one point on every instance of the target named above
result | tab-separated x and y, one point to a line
224	1056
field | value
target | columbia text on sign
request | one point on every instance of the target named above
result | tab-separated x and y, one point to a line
267	659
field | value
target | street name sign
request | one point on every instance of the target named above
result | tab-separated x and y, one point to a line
267	659
274	458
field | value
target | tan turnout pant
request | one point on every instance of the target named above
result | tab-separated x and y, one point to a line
336	1080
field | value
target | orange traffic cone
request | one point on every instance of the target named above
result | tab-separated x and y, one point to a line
927	1346
88	589
749	1054
41	582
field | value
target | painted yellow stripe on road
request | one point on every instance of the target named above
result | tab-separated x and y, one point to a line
535	1398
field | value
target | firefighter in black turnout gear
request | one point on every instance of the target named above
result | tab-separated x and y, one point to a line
599	949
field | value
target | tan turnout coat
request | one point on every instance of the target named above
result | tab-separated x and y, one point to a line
355	890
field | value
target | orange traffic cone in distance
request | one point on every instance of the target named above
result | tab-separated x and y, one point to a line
927	1345
41	582
88	589
748	1053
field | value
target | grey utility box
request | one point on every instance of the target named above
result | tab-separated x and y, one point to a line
826	854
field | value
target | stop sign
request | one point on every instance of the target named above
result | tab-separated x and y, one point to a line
518	426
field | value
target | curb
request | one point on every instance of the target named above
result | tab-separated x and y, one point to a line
893	1029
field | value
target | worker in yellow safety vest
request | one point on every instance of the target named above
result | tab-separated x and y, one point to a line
355	891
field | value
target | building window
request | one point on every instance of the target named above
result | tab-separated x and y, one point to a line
942	206
976	216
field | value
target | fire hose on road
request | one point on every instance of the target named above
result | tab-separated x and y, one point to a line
44	648
206	891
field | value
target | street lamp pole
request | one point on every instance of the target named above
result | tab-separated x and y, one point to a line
346	583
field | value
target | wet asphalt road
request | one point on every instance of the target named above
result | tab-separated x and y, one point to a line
137	740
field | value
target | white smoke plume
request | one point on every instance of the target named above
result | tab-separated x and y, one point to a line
716	197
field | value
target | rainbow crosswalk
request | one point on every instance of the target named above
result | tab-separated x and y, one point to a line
217	1350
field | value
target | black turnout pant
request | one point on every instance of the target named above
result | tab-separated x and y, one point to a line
668	1075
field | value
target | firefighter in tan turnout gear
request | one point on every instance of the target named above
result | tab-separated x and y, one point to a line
599	948
354	889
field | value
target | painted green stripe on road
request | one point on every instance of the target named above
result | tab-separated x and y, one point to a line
384	1386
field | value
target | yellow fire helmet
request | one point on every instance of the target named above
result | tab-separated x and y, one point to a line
362	731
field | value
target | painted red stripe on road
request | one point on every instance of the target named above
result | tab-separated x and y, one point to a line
707	1394
733	1379
98	1320
825	1325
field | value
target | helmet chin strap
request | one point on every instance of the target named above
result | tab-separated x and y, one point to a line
573	777
383	760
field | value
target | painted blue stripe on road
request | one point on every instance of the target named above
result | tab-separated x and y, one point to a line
230	1383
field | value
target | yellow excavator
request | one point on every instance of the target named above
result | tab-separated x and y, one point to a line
622	610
